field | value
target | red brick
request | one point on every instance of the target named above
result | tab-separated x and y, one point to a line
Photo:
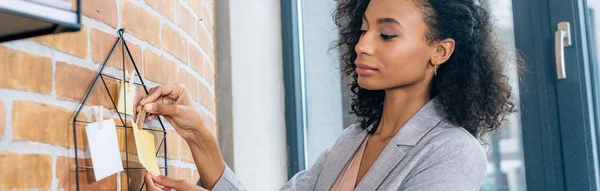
211	4
104	11
102	43
173	140
213	58
45	123
206	13
196	59
209	74
74	43
140	23
157	69
24	71
73	83
165	7
197	7
158	137
174	43
128	146
152	3
186	20
205	66
195	175
209	18
186	154
25	171
181	174
136	55
211	125
140	93
172	143
2	119
73	5
135	178
190	82
205	42
207	99
66	174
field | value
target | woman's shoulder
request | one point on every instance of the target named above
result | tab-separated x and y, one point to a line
448	138
454	134
351	131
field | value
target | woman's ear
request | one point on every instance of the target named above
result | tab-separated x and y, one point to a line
442	50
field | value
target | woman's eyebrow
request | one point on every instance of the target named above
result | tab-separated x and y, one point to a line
383	20
388	20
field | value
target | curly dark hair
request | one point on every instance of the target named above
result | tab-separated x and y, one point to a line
471	87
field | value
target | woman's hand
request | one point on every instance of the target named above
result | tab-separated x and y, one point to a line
168	184
176	105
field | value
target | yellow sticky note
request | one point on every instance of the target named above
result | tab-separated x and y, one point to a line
129	99
144	141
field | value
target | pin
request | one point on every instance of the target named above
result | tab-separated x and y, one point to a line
131	77
140	117
99	115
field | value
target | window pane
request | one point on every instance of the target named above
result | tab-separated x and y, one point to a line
506	169
323	93
593	10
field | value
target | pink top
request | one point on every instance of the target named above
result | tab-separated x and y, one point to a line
347	179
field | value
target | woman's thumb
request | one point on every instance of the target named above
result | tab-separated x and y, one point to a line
162	109
169	182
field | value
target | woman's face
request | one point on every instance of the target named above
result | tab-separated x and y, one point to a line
393	50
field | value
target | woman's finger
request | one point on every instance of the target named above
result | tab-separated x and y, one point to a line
165	100
160	91
162	109
150	186
162	100
170	182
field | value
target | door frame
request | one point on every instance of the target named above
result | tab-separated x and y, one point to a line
295	114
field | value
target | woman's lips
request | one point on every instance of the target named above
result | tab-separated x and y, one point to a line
365	70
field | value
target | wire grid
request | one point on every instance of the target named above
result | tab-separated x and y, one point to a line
122	116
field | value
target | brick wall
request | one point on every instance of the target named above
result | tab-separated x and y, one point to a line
43	80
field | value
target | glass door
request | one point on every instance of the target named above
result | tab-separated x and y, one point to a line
573	46
559	93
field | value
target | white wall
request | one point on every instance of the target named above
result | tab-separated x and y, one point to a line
257	94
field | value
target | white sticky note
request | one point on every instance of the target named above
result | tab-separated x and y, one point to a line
104	148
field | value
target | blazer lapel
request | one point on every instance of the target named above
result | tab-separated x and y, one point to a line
407	137
339	156
385	163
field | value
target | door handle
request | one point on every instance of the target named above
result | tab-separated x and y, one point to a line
562	39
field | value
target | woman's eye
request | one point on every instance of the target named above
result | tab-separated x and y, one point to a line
388	37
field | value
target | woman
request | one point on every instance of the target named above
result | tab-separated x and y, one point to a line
428	82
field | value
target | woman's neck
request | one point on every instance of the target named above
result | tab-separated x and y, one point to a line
399	105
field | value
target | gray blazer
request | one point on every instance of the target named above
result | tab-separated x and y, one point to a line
426	154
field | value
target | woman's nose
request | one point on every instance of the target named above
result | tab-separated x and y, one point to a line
364	45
